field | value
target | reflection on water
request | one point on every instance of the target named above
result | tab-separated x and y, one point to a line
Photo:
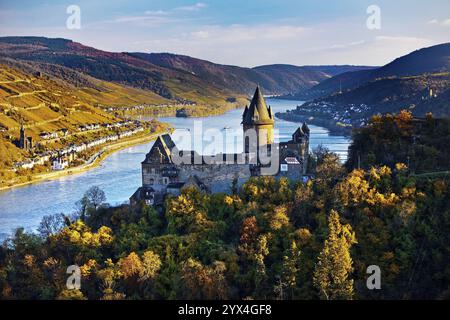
119	175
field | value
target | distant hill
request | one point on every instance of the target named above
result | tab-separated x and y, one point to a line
289	78
121	68
433	59
174	77
275	79
235	79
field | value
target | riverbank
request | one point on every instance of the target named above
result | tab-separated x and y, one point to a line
94	161
335	129
184	110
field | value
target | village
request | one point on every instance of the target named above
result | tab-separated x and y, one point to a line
62	158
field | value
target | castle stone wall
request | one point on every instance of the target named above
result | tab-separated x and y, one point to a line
218	177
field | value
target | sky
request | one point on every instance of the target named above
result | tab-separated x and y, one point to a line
242	32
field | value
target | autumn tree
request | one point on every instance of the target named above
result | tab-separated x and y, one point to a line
334	265
204	282
187	213
151	263
291	268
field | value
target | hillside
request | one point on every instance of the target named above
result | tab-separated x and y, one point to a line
392	94
291	77
433	59
274	79
41	104
178	78
57	116
120	68
352	108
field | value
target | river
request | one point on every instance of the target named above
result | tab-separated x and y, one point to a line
119	175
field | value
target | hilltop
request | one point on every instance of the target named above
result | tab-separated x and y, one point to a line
434	59
276	79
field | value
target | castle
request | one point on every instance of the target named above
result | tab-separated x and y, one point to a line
166	170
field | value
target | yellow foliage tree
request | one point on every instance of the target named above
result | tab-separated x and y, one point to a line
334	265
131	266
151	264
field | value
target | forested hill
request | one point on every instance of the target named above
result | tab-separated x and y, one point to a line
168	75
434	59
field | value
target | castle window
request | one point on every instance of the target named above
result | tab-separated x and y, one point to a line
165	180
151	181
284	167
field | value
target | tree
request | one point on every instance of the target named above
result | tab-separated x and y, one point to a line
151	264
278	219
329	167
187	213
249	233
131	266
204	282
234	186
291	267
334	266
95	196
92	199
71	295
51	224
262	250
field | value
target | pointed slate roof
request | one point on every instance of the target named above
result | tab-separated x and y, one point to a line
305	128
298	133
257	112
301	131
161	151
245	112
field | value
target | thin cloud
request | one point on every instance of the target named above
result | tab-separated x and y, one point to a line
397	39
238	33
443	23
195	7
159	17
157	12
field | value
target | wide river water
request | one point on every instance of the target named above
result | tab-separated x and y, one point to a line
119	175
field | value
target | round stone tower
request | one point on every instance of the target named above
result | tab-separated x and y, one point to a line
258	122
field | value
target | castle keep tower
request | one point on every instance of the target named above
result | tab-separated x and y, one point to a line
258	122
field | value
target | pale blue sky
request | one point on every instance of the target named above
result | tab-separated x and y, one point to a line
241	32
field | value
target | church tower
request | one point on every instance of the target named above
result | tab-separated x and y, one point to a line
22	138
258	122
